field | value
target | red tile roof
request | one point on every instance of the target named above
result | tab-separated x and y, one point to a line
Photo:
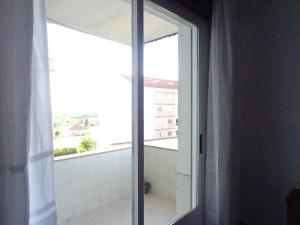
77	127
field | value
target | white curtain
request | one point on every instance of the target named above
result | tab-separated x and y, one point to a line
26	159
222	160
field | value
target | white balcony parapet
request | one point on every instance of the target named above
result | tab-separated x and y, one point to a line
88	181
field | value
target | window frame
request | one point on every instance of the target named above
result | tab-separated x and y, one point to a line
200	38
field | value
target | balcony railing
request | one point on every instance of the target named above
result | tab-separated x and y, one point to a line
98	184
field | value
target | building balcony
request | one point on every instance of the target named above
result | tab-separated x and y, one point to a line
95	188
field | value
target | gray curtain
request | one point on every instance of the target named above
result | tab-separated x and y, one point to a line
222	159
26	159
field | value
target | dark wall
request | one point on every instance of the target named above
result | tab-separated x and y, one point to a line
202	7
268	107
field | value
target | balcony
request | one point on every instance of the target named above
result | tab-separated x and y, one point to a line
91	92
95	188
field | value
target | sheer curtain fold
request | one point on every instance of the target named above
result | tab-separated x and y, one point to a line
26	159
222	162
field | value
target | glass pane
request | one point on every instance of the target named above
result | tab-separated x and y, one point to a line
168	117
90	68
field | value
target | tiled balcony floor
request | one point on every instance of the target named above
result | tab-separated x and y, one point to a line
158	211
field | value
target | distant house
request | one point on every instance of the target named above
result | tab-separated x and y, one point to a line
78	130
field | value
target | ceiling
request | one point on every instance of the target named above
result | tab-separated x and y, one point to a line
109	19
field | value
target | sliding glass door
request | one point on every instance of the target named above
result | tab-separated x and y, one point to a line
127	86
169	115
90	57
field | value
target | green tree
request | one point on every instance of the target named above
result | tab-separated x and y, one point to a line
56	133
86	144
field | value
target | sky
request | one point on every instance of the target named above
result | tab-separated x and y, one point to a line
86	70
